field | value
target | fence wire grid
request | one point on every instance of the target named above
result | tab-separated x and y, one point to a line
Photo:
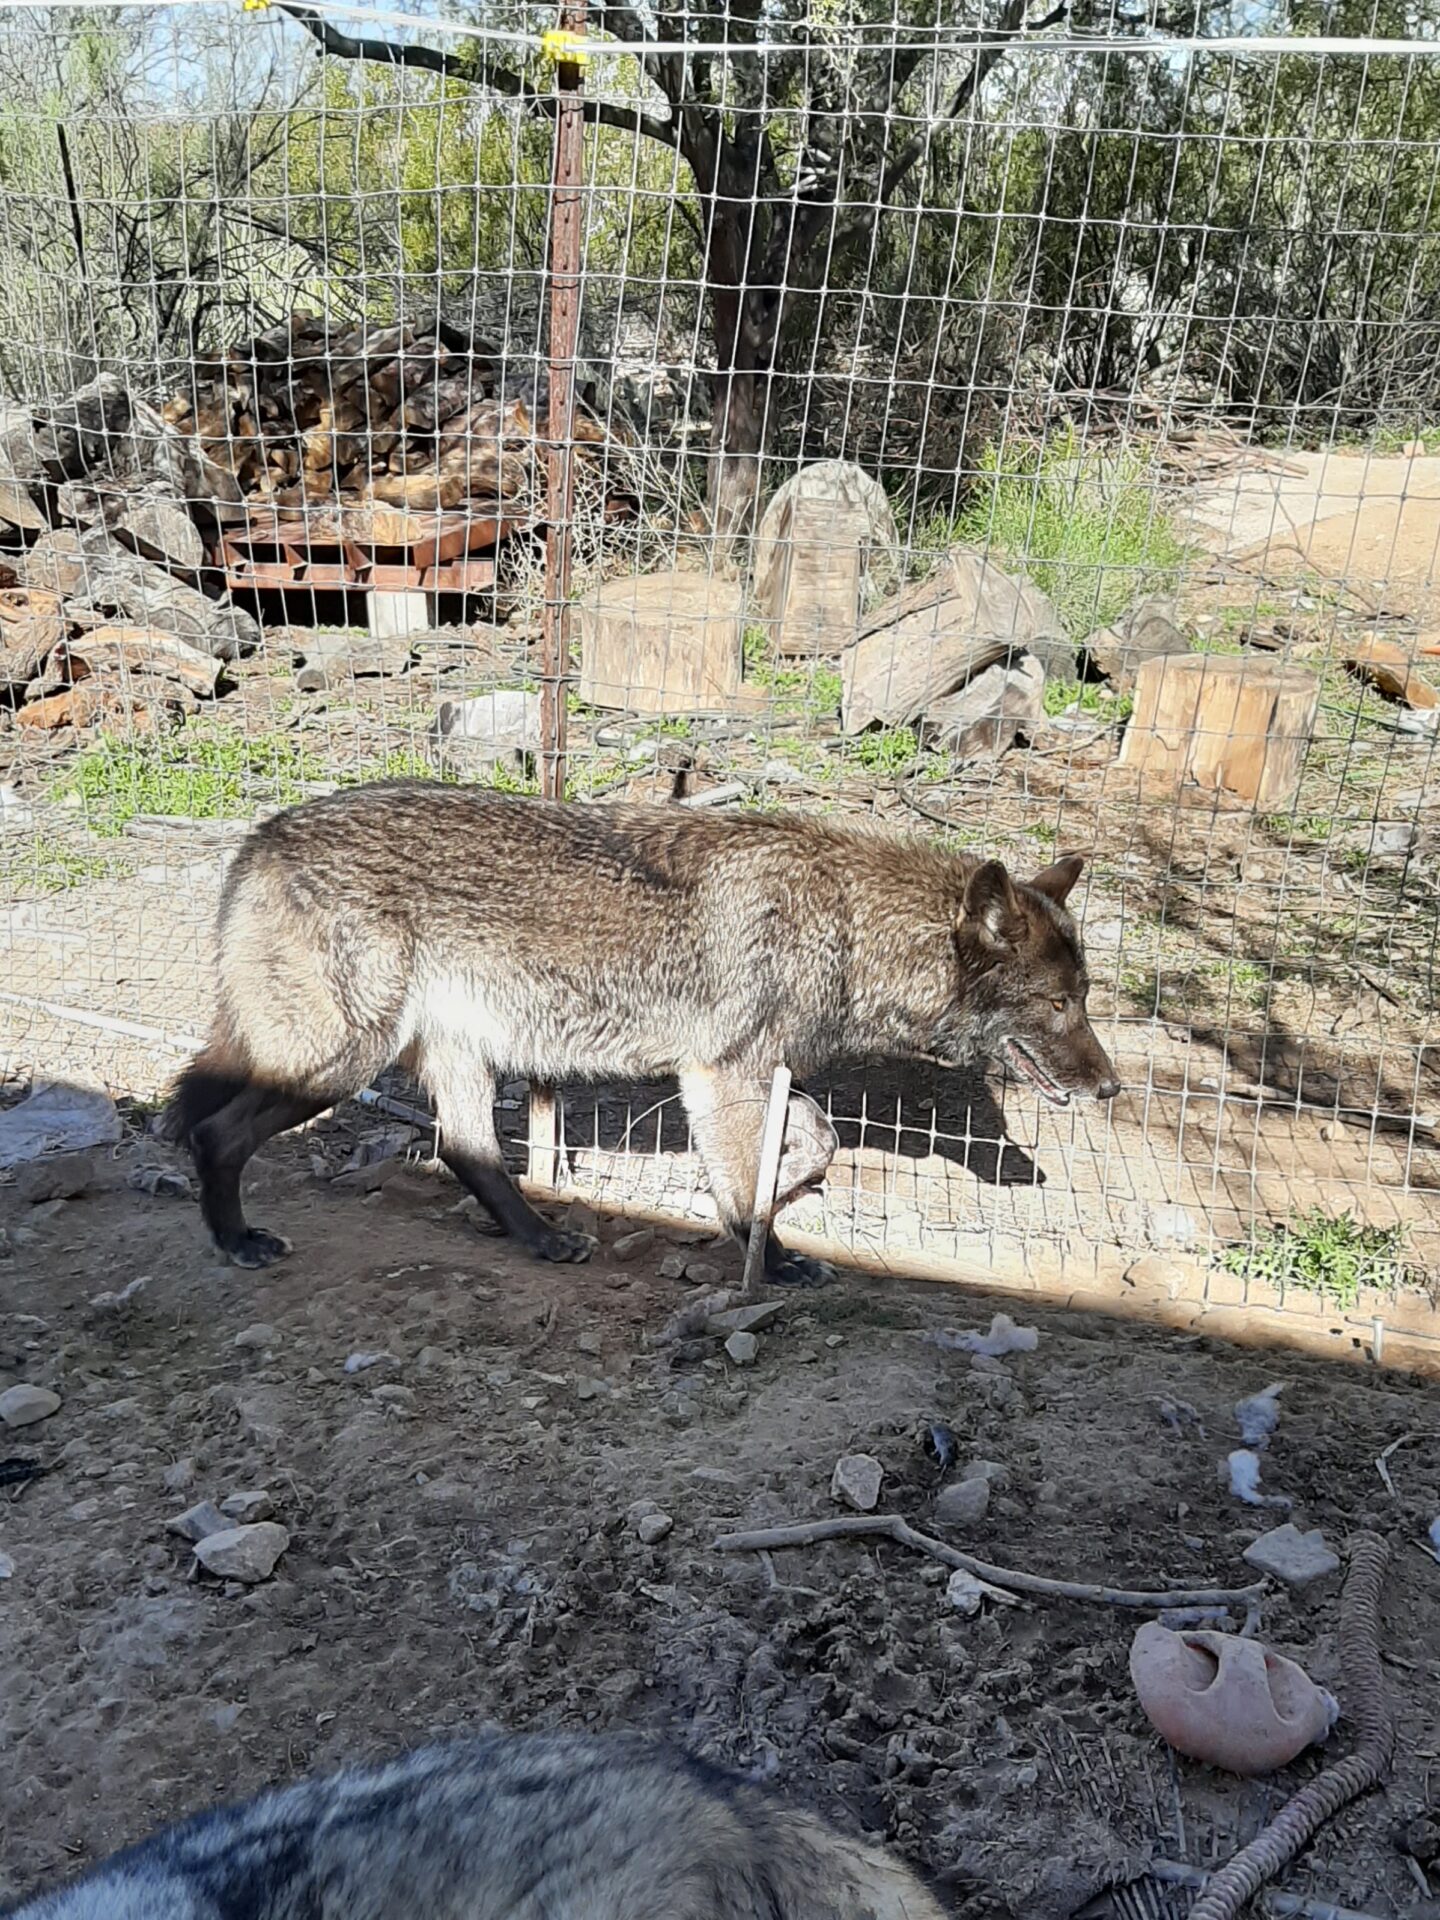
1020	426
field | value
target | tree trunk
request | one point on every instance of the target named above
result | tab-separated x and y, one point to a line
746	332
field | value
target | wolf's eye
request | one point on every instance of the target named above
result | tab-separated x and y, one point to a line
1058	1005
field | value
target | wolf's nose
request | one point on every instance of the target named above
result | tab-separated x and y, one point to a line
1107	1089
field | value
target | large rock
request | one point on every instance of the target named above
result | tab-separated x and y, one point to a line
941	633
491	729
826	549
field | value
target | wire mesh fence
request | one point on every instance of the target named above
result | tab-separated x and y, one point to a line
1017	428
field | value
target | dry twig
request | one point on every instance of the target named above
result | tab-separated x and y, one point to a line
890	1526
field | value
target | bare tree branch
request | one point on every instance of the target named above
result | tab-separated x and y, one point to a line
467	66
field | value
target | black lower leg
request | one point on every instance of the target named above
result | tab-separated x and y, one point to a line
786	1269
222	1147
498	1194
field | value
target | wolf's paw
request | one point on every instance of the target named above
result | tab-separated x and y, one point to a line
799	1270
561	1245
255	1248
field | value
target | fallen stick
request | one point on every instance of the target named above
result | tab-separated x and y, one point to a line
889	1526
1363	1698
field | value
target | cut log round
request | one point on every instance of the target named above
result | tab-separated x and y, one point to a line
663	643
1229	723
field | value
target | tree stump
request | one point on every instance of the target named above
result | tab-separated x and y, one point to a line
1229	723
666	643
826	540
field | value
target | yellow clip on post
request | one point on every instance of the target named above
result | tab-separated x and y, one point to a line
255	6
556	43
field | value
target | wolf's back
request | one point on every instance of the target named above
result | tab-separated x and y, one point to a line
514	1828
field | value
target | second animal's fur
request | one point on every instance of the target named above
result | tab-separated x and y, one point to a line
476	936
511	1828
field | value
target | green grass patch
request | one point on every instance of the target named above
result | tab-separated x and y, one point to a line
810	689
1087	696
47	865
1086	525
1333	1255
190	773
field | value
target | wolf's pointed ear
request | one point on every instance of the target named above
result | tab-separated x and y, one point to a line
991	906
1057	882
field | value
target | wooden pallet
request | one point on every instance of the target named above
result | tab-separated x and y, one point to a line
365	549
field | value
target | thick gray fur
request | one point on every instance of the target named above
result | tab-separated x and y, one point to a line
475	936
518	1827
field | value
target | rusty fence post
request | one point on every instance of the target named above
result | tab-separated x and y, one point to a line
566	244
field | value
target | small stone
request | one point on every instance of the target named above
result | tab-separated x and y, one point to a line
249	1505
22	1406
247	1554
752	1319
992	1470
362	1362
653	1527
179	1476
588	1342
393	1395
637	1510
198	1522
1170	1226
580	1218
963	1504
964	1593
679	1409
742	1349
1153	1270
256	1337
672	1267
833	1340
703	1273
629	1245
1299	1559
856	1481
7	1567
588	1389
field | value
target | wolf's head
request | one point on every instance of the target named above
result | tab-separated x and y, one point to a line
1023	984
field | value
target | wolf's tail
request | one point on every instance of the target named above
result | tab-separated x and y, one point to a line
210	1082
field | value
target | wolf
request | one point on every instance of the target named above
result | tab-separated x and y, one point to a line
471	935
511	1827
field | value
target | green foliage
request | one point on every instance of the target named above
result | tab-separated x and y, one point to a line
813	688
1333	1255
1086	526
49	865
1090	697
190	773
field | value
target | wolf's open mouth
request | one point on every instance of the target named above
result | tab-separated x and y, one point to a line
1029	1068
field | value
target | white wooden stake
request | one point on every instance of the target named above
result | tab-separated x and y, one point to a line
772	1142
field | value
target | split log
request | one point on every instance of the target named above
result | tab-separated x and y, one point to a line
145	651
939	634
1229	723
32	624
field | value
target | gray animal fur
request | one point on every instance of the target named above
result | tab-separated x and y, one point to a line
519	1827
473	936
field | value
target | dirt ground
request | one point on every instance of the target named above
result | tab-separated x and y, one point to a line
461	1554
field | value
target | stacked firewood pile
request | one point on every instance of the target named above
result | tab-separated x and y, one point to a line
415	417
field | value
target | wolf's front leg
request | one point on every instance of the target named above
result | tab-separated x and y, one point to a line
463	1088
727	1118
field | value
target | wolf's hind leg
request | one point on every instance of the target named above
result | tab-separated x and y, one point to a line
462	1085
222	1145
727	1117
